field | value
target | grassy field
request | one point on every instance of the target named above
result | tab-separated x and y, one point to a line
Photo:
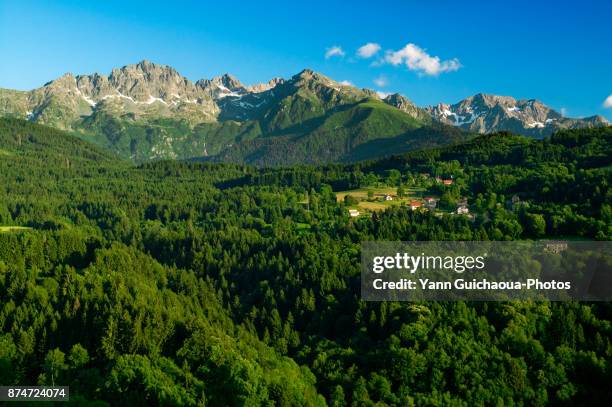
302	226
361	195
376	206
13	228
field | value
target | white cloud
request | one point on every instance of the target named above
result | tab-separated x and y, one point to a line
334	51
381	81
381	94
368	50
417	59
608	102
563	112
346	83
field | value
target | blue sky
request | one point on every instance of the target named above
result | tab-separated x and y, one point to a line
558	52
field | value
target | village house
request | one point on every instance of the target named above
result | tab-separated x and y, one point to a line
430	203
447	182
462	206
353	213
462	210
414	205
388	197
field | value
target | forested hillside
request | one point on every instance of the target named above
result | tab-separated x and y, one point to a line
185	283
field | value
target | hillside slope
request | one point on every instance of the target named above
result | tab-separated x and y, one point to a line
24	140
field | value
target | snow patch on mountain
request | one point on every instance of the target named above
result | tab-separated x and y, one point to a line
89	101
153	99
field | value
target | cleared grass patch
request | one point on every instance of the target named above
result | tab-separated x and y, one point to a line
14	228
362	193
373	206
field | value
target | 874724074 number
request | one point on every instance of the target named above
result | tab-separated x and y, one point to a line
34	393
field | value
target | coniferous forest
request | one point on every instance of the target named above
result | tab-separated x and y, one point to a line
182	283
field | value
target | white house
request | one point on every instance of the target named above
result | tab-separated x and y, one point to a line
353	212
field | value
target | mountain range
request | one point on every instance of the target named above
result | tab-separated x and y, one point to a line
488	113
148	111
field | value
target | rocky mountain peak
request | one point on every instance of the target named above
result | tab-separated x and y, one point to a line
146	65
147	68
483	100
230	82
308	77
146	80
598	120
305	73
64	81
145	71
314	81
406	105
262	87
398	100
221	86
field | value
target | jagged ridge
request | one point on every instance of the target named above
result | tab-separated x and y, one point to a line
148	111
483	113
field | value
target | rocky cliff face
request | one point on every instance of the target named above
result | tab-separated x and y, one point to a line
406	105
262	87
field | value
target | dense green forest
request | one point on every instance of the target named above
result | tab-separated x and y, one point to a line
189	283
